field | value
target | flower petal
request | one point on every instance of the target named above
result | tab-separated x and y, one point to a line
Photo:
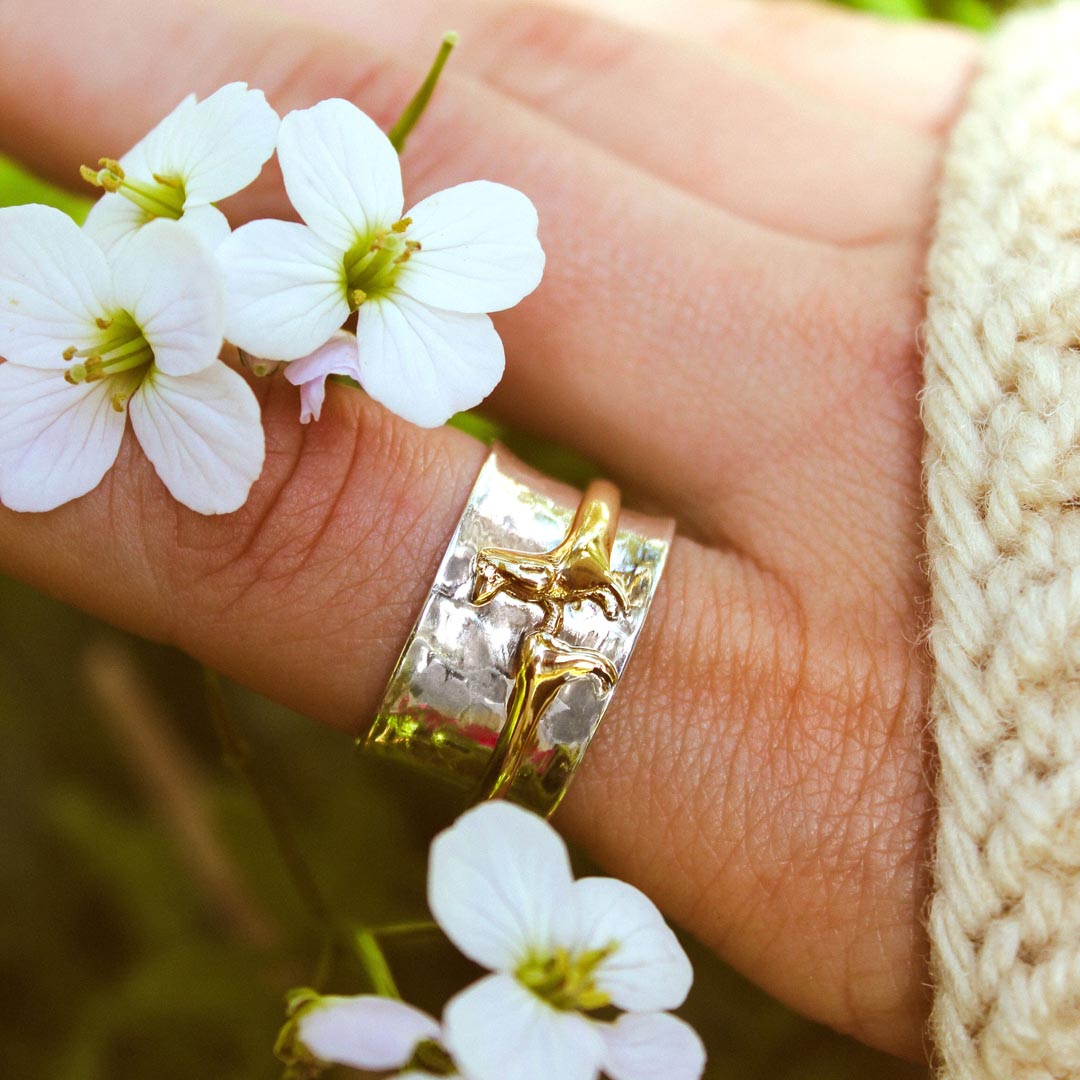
284	289
336	357
112	219
341	172
220	145
170	285
56	440
479	250
155	152
365	1032
499	885
54	282
208	223
648	969
652	1046
425	364
498	1030
203	434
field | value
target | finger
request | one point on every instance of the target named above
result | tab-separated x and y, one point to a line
775	847
635	348
759	147
908	72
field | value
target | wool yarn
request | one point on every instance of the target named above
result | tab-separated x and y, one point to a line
1002	415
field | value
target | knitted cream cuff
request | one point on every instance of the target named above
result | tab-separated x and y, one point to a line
1002	413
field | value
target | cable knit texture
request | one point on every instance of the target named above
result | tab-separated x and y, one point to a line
1002	412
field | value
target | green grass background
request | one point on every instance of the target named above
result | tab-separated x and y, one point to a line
118	963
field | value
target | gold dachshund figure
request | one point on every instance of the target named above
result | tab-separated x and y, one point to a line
578	569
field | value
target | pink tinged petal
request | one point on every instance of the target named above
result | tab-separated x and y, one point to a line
499	884
425	364
170	285
648	969
284	289
203	434
479	250
112	220
54	282
220	145
498	1030
365	1032
340	171
207	223
56	440
336	357
652	1046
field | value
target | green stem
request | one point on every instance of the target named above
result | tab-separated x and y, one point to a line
325	965
420	928
415	109
373	958
363	942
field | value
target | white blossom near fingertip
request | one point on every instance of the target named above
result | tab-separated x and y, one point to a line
424	364
364	1032
426	348
500	886
203	434
649	970
498	1030
652	1046
202	152
86	338
336	357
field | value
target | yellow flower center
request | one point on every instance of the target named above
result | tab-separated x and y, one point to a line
373	263
566	980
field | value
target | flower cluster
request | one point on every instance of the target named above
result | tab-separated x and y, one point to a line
129	315
582	974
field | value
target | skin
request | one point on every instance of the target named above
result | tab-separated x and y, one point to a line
735	201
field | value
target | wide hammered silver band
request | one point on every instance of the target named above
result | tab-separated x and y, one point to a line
533	615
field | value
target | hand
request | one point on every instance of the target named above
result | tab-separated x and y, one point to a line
735	213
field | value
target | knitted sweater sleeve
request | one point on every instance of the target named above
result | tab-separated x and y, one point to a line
1002	414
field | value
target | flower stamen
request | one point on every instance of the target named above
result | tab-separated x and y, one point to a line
163	198
124	350
372	264
565	980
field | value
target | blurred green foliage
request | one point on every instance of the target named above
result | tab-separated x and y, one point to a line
120	960
979	14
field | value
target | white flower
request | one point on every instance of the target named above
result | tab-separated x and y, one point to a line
202	152
372	1033
420	284
86	339
501	887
